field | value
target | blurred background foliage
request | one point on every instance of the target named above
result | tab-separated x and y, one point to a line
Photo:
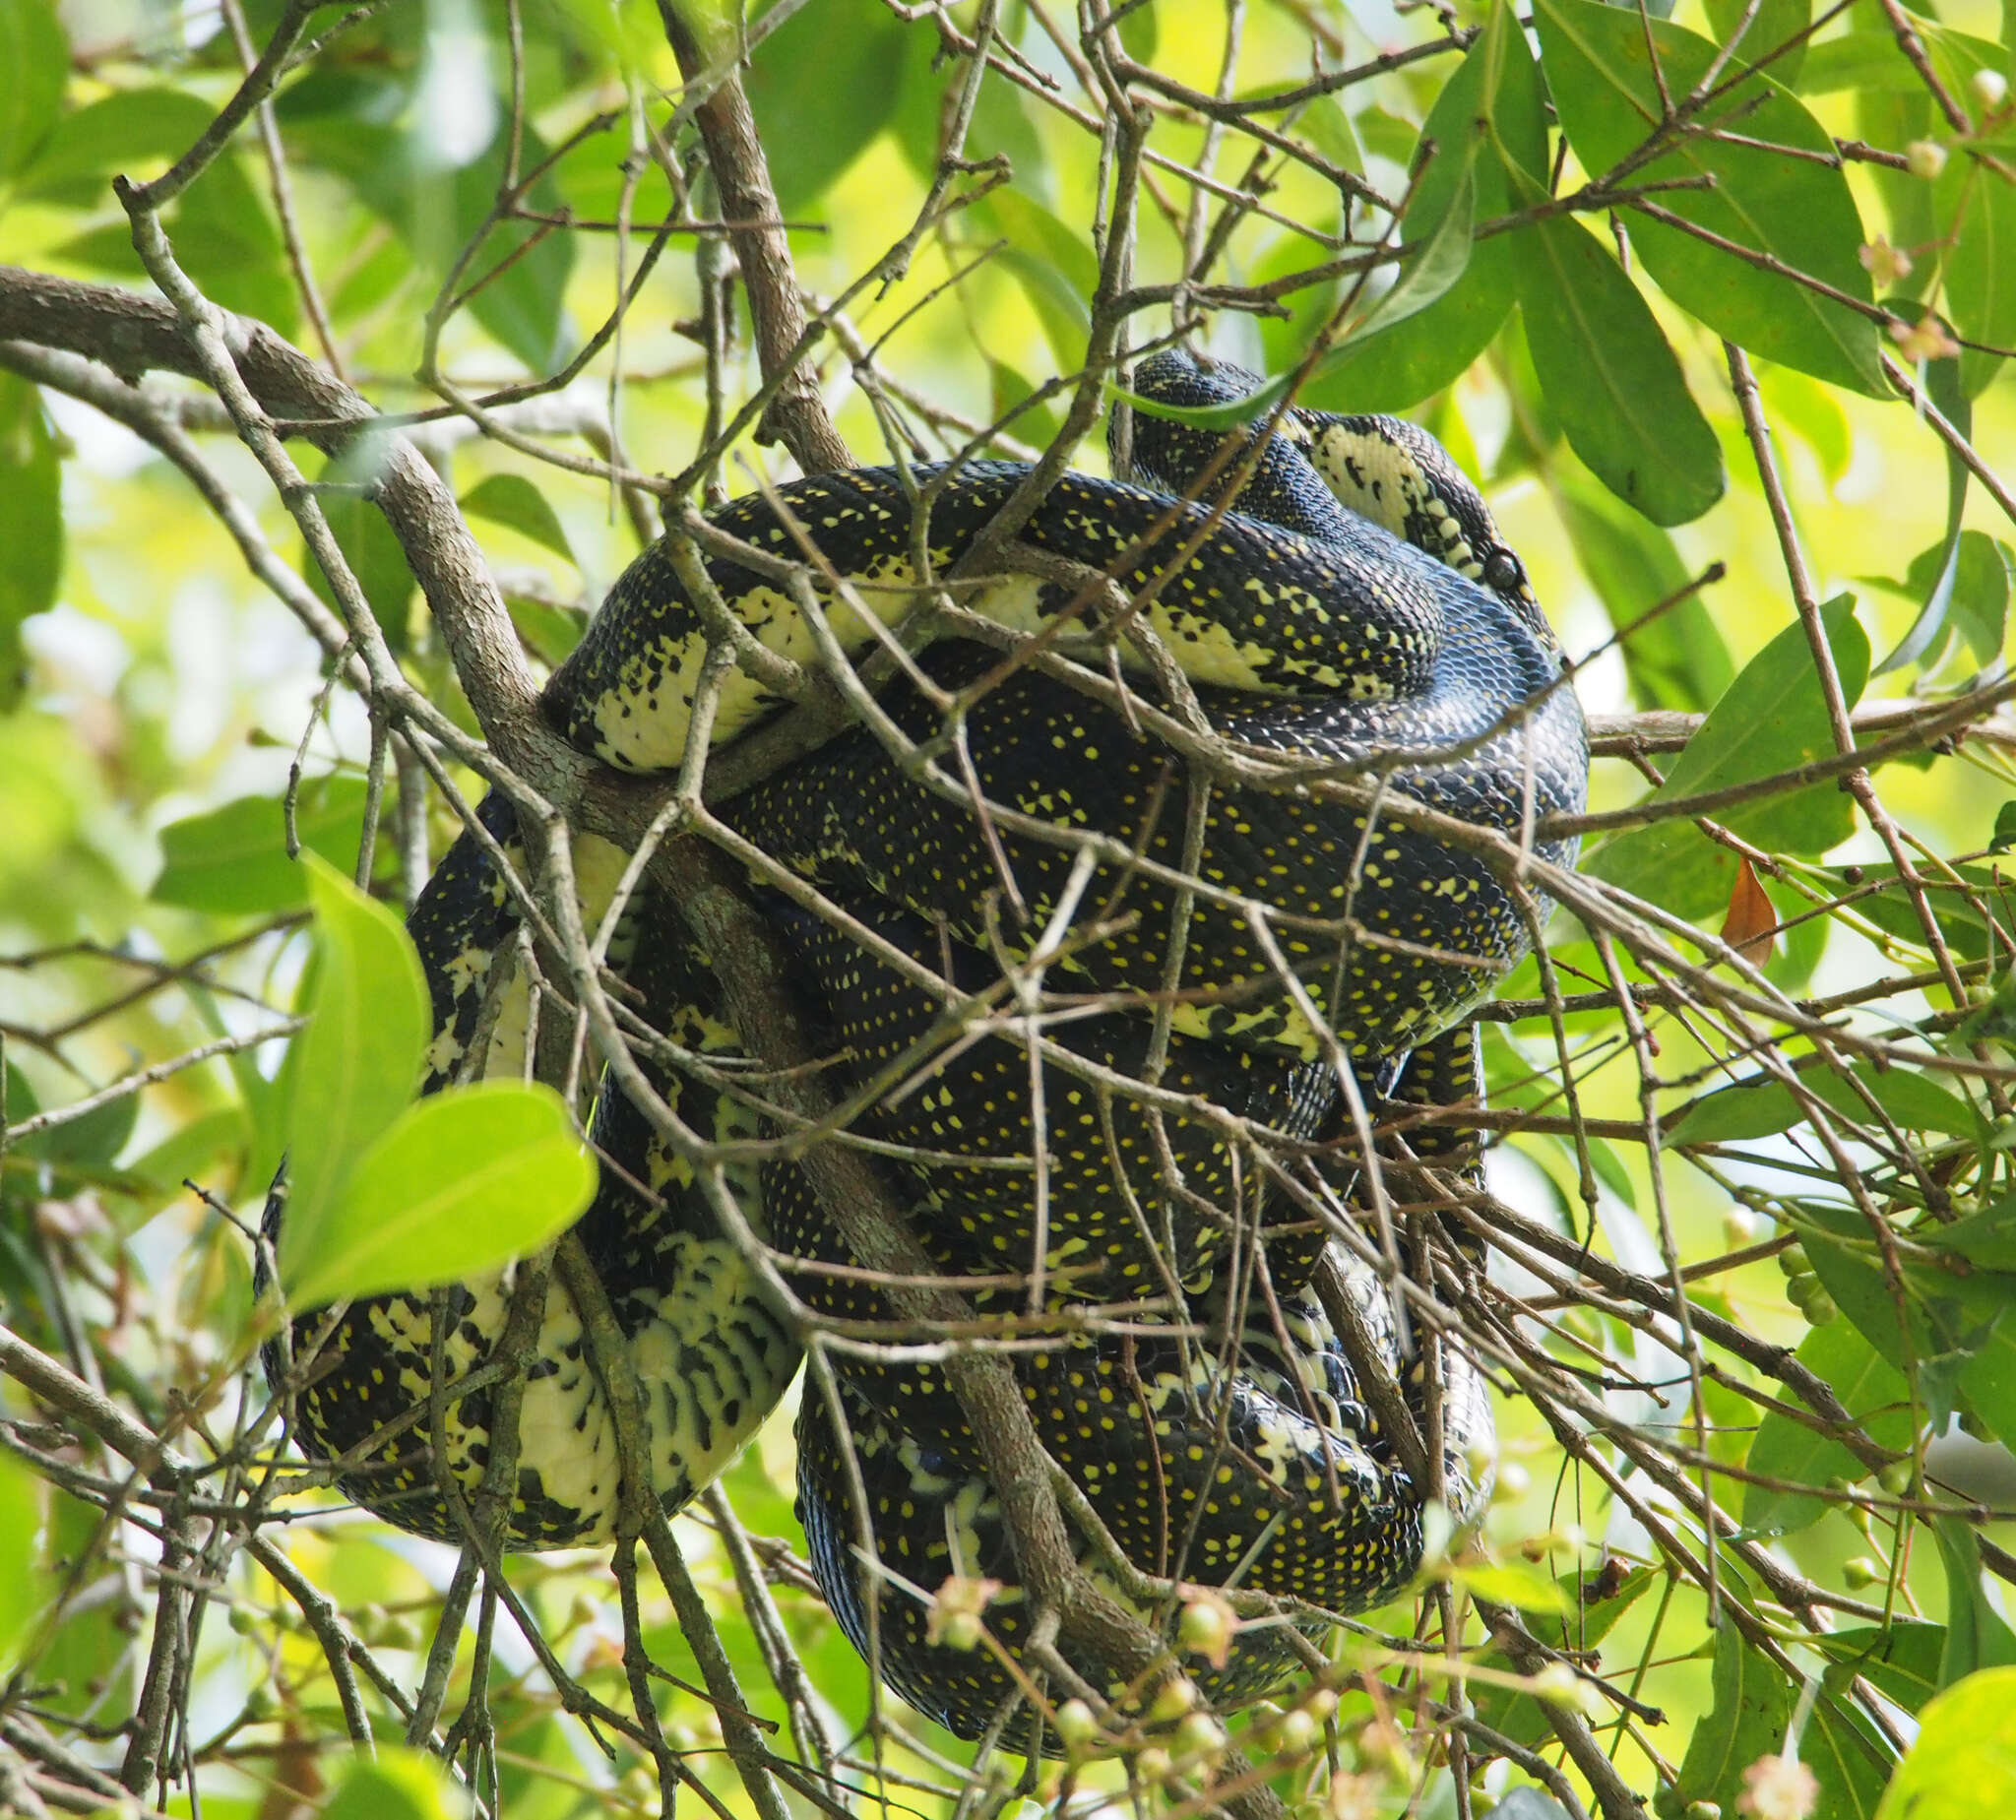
155	697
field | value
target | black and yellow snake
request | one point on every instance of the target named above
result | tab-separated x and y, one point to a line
1217	943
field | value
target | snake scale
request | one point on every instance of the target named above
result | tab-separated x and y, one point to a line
1222	949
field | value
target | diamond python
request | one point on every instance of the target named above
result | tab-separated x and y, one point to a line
1354	610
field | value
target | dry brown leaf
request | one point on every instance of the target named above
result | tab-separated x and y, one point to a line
1751	926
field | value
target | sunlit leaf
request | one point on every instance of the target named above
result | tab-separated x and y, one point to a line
463	1183
1511	1583
1901	1660
139	132
22	1591
396	1784
822	85
1962	1766
234	860
355	1065
1981	267
513	501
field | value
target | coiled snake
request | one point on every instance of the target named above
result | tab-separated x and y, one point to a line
1230	948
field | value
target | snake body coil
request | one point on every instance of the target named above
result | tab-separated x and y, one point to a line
1284	849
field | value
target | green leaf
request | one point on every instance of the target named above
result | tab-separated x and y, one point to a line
513	501
1962	1766
822	85
1977	1638
1795	209
1753	1704
1678	660
1847	1759
1511	1583
21	1590
1777	21
90	1143
1442	259
140	132
1900	1660
396	1784
1493	107
368	546
1039	423
355	1065
36	59
436	213
1980	269
1964	584
1866	61
463	1182
234	860
1772	719
1053	264
1986	1239
1758	1107
551	631
31	551
1609	374
2005	828
1872	1391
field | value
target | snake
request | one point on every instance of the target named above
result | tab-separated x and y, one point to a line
1169	755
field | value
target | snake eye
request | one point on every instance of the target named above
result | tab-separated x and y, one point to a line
1503	572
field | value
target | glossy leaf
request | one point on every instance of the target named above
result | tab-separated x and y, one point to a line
36	59
1865	60
1772	719
461	1183
31	550
1847	1759
1962	1765
1872	1391
234	860
1677	659
513	501
353	1068
1795	210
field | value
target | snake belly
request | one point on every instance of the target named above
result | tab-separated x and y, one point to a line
1352	611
